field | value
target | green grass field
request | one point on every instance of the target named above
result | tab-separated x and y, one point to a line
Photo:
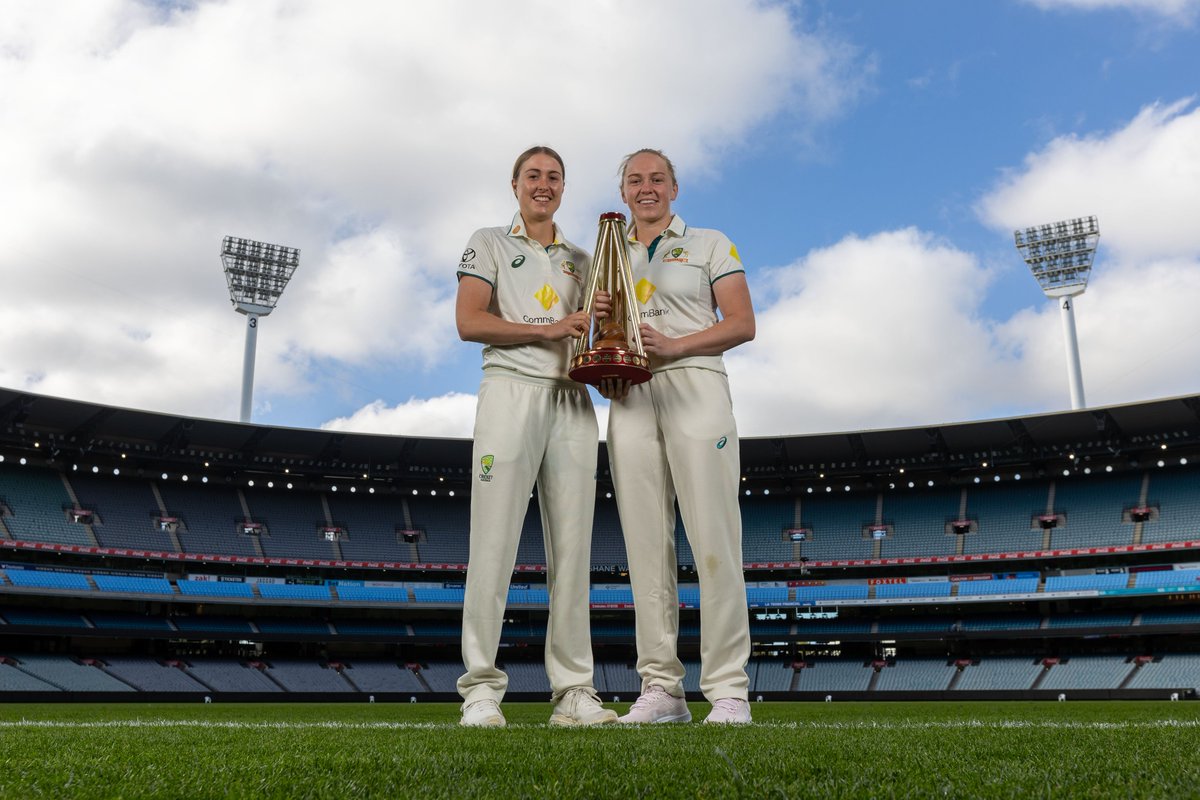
1010	749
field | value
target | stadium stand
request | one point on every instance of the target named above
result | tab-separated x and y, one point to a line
916	675
293	521
127	510
210	516
38	502
1000	673
1092	507
222	675
382	676
919	523
70	675
151	675
1087	672
1171	671
835	676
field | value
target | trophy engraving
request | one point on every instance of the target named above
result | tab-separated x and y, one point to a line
616	352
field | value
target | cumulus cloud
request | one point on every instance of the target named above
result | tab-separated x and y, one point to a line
451	415
1142	182
374	137
871	332
889	329
1136	321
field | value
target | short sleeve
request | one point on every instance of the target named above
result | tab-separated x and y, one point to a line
725	259
477	260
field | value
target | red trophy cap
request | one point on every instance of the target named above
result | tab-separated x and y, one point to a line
612	215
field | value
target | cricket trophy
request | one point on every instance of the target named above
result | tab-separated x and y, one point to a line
616	353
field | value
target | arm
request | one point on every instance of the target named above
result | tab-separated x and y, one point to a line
477	324
735	327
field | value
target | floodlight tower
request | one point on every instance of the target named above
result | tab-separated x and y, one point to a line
257	273
1060	255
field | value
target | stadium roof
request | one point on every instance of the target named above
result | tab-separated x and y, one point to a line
65	431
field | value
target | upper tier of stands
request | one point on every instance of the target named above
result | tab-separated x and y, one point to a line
125	512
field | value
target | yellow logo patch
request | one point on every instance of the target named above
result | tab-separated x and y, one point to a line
645	290
733	252
546	296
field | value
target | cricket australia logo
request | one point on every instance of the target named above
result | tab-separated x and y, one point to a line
678	254
485	464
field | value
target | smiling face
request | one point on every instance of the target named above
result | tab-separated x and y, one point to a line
648	187
538	188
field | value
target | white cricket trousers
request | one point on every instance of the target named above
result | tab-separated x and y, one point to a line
529	431
675	437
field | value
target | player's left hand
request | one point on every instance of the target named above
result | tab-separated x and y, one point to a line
659	344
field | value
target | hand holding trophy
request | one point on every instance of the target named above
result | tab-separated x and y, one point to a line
616	354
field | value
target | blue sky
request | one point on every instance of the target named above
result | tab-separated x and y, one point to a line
870	160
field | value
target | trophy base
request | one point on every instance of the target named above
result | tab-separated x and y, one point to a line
605	363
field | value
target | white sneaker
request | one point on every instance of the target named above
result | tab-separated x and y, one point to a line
656	705
729	711
482	714
580	706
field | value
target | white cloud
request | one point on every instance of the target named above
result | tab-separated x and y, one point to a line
1142	182
1136	321
1172	9
890	330
374	137
871	332
451	415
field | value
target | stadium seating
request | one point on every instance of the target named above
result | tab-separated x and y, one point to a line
1171	671
835	676
919	522
1092	506
1176	496
210	516
151	675
1004	514
380	676
1087	672
132	585
214	588
70	675
127	509
293	521
222	675
308	676
58	581
916	675
1000	673
291	591
38	501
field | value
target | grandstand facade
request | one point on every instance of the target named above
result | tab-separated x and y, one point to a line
148	555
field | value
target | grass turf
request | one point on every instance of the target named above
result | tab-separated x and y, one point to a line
1012	749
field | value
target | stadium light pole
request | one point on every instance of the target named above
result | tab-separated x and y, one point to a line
1059	255
257	273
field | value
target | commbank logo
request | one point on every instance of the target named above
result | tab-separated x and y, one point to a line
644	290
546	296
